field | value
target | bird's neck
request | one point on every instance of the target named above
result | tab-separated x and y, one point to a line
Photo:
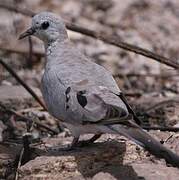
51	46
55	51
52	42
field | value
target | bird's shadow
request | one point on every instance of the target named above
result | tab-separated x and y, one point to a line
101	157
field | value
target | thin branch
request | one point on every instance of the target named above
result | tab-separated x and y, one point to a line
29	59
133	94
26	119
161	104
114	40
19	163
14	74
161	128
166	75
21	51
26	152
16	9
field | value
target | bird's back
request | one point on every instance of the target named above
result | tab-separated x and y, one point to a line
72	67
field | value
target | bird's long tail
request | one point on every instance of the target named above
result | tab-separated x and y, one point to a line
146	141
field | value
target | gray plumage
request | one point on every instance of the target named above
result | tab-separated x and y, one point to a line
82	94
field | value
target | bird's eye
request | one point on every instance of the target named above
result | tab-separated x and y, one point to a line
45	25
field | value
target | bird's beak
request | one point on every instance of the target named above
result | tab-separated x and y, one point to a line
28	32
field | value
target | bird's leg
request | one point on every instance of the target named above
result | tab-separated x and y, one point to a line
76	143
89	141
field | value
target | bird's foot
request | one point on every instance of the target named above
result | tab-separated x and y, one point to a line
86	142
75	144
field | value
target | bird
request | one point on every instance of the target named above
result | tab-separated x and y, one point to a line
84	95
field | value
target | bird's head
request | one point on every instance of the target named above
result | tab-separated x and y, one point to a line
46	26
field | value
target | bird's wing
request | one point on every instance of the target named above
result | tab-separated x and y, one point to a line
91	92
96	104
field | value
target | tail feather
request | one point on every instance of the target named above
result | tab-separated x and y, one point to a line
146	141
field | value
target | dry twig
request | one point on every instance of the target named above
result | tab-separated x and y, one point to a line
161	104
114	40
14	74
29	59
25	153
19	163
26	119
161	128
159	76
21	50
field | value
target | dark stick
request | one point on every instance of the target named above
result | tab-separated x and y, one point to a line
22	51
14	74
19	163
114	40
166	75
29	59
16	9
26	119
161	128
162	103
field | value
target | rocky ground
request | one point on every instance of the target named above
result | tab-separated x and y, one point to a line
28	133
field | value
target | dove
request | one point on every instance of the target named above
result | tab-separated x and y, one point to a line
84	95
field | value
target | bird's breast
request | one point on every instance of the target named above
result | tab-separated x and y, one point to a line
53	92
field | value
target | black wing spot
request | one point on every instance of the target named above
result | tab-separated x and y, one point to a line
68	90
82	100
67	107
81	92
67	93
